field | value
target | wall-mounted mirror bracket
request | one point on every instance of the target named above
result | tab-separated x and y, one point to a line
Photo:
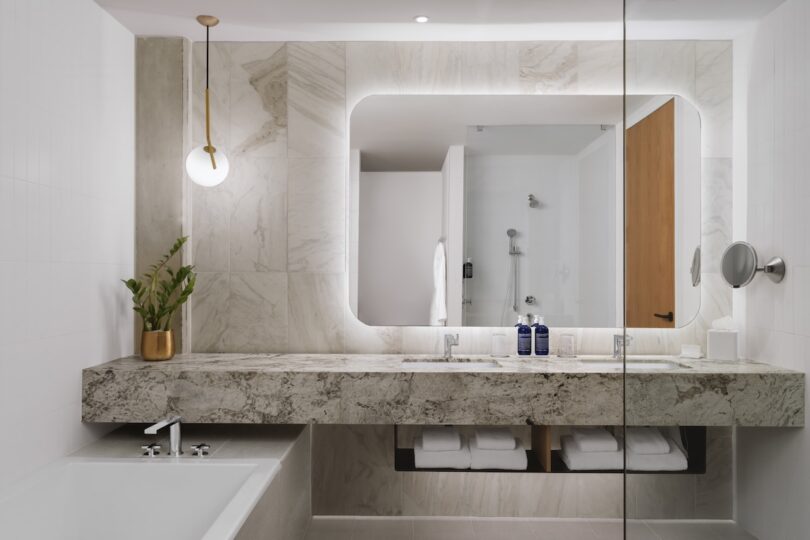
774	269
740	265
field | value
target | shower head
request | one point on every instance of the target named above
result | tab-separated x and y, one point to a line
511	233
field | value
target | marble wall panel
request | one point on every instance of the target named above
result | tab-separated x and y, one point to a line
316	315
317	100
570	67
316	218
160	146
241	312
257	220
257	99
275	233
353	471
430	68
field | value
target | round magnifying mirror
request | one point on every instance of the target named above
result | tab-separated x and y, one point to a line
739	264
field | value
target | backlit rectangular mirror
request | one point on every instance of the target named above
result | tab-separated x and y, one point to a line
474	210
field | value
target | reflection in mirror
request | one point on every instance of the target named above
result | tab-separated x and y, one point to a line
474	210
739	264
662	215
555	186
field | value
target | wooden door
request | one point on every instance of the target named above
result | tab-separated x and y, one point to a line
650	220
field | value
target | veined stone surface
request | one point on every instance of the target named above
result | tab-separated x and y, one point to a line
380	389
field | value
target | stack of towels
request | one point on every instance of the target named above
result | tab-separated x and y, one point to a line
445	448
648	449
591	449
497	448
441	448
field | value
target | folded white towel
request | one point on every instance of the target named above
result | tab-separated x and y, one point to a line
440	439
646	440
438	304
673	433
674	460
495	439
577	460
452	459
594	439
508	460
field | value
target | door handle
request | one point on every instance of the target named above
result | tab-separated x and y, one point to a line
666	316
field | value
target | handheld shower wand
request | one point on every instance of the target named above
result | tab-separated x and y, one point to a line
513	255
511	233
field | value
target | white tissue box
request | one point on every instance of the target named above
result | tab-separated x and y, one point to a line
722	345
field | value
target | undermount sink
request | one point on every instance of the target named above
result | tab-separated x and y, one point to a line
461	364
634	365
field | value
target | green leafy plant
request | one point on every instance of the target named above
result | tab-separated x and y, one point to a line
161	291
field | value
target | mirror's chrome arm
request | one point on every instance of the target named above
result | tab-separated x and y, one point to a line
774	269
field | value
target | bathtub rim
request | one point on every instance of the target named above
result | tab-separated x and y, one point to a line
229	521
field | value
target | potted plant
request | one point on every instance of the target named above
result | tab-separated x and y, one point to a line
157	296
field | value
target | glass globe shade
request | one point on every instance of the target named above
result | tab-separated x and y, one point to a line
199	169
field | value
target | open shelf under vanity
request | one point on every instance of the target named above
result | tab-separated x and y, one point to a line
543	459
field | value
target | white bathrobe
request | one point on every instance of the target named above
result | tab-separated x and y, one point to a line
438	306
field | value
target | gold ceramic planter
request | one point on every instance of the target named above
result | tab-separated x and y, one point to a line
157	346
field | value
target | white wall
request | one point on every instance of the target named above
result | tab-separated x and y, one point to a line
773	468
66	218
597	237
399	227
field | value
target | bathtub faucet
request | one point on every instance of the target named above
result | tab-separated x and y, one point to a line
175	440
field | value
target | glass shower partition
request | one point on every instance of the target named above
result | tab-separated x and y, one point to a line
677	130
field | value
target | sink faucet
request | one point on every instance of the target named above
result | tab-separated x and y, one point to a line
450	341
620	344
175	440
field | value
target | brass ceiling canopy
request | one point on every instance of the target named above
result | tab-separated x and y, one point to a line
207	20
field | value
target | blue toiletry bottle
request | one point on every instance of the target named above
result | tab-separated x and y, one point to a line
524	337
540	337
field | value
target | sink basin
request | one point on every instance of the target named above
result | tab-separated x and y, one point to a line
634	365
442	364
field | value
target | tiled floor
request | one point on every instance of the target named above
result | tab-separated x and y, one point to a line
325	528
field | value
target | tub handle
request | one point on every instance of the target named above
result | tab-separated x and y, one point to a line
200	450
151	449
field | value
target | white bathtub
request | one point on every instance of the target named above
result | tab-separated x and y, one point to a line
117	499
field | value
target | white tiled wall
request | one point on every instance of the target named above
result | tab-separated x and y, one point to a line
66	218
774	465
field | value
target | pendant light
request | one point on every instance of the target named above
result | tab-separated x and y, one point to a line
206	165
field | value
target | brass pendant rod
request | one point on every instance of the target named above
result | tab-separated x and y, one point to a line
210	147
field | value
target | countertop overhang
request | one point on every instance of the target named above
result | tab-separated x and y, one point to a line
381	389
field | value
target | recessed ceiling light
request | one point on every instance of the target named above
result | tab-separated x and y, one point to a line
421	18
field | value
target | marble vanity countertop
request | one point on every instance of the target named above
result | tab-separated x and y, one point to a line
411	389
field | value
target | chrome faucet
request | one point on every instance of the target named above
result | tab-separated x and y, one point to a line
450	341
620	344
175	440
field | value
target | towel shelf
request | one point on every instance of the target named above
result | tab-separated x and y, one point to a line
543	459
